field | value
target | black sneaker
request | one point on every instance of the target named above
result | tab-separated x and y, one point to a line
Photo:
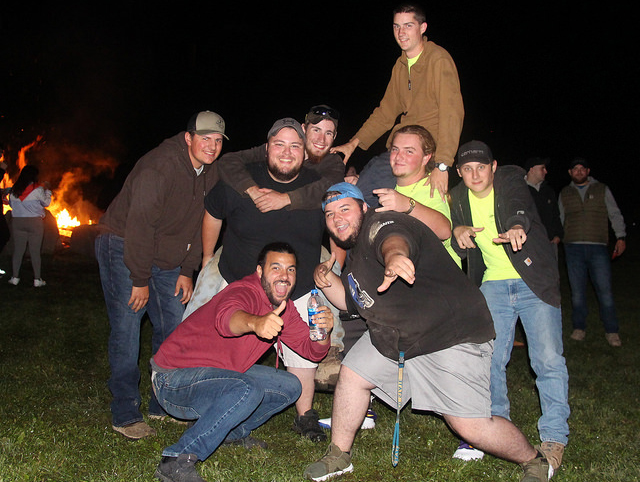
178	469
307	425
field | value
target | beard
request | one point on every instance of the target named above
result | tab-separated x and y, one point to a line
270	294
283	176
351	241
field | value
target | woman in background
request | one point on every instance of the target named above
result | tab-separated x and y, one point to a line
28	200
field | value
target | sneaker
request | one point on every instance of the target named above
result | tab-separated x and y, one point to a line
135	430
247	442
334	462
14	281
307	425
369	421
553	451
2	272
578	335
39	283
167	418
467	452
178	469
537	470
613	339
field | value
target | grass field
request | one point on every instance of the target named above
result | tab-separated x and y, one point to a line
55	421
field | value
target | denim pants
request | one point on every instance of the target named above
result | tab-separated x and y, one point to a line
375	175
542	323
590	261
165	312
224	403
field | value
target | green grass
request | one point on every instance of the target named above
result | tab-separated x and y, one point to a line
55	421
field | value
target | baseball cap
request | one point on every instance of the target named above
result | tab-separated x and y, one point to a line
206	122
285	122
320	112
345	190
474	151
535	161
578	160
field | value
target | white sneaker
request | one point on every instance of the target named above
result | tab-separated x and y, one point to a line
369	421
14	281
39	283
467	452
2	272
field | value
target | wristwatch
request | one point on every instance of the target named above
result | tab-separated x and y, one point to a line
412	204
442	166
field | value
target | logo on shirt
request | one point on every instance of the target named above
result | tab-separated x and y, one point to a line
362	299
376	227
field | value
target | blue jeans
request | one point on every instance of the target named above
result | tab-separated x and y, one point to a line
375	175
542	323
225	404
590	261
165	312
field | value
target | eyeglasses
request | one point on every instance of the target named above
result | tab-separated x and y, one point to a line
324	111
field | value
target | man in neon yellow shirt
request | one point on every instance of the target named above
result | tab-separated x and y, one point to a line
497	228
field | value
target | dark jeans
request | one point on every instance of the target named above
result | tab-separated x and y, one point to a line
375	175
165	312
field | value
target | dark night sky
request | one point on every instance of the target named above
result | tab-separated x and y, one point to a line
537	78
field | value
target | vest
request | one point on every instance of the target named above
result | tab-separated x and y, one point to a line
588	221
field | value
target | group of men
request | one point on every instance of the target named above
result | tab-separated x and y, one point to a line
254	221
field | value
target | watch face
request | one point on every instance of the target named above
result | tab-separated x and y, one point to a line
442	166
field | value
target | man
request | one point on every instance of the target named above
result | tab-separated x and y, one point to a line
433	317
498	229
424	89
207	370
148	249
544	197
586	206
247	229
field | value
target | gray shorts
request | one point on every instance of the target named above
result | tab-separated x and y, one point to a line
454	381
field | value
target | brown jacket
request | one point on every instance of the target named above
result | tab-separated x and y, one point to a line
430	98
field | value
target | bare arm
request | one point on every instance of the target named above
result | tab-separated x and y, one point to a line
211	228
395	253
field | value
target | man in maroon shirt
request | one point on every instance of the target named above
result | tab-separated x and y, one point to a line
207	368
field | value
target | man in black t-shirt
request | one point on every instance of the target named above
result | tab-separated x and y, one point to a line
247	230
429	339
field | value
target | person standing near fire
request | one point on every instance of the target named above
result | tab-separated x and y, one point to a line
28	200
148	248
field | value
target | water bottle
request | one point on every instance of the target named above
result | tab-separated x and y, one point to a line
313	305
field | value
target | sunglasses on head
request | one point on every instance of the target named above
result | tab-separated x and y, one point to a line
325	112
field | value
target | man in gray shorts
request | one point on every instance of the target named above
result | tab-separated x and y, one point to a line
434	318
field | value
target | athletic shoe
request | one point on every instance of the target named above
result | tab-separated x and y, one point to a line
39	283
2	272
368	422
578	335
613	339
307	425
553	451
14	281
537	470
135	430
467	452
178	469
334	462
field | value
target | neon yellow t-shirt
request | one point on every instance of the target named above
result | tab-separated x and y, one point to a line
498	264
422	194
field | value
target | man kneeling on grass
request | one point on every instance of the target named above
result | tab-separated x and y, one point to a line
206	370
433	317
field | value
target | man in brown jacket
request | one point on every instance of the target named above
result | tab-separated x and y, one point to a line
424	89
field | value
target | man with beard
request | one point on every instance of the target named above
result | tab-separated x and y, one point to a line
247	229
207	370
429	339
586	208
148	247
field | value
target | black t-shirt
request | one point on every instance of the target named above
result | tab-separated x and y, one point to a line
441	309
248	230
